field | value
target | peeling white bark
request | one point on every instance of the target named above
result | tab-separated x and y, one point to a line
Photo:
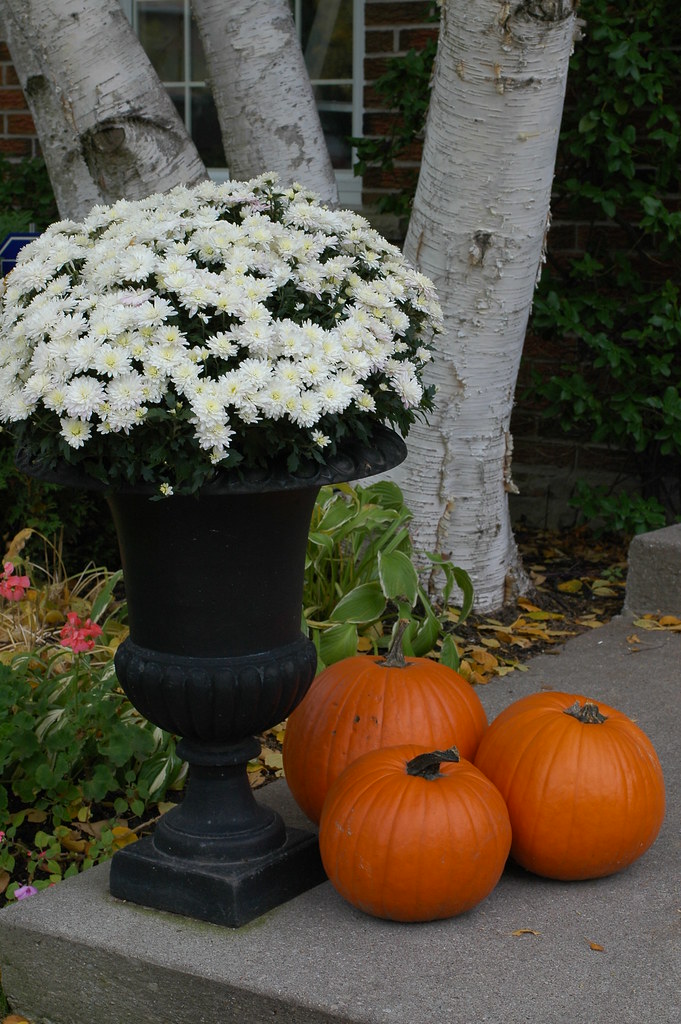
262	91
107	127
477	229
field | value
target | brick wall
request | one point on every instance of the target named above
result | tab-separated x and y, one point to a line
17	131
391	29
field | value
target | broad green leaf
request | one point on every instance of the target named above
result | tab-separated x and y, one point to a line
397	576
364	603
337	642
449	655
384	493
424	639
337	514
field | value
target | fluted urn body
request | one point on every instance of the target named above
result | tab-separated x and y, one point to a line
216	655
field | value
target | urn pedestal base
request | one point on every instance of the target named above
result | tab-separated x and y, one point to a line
230	894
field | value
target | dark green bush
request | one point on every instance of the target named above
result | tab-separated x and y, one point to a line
617	175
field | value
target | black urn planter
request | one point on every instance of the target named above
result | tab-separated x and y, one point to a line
216	655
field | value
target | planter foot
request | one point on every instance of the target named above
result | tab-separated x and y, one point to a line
227	893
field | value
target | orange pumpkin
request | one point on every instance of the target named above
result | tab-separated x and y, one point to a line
413	835
582	783
362	703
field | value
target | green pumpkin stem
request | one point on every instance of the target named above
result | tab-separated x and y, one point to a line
427	766
395	657
589	714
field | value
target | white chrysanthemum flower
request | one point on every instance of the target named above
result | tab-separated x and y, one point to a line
37	386
254	373
334	395
305	410
274	399
365	402
125	392
407	386
55	399
102	321
80	357
84	396
75	432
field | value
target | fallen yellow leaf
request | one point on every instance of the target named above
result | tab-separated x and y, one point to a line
123	836
570	586
525	931
596	946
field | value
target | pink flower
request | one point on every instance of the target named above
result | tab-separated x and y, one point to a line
25	890
12	587
79	635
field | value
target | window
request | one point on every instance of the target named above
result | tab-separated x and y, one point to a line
331	34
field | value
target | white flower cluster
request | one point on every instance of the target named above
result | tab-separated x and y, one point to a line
243	302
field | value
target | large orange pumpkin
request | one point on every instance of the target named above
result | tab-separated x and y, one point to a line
413	835
582	783
361	703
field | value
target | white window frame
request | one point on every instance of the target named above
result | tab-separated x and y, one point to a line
349	186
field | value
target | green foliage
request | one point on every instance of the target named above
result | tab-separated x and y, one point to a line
619	167
618	513
26	196
70	743
360	576
78	764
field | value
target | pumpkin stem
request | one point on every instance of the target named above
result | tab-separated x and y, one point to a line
427	766
589	714
395	657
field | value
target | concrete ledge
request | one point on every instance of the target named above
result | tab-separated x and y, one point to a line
74	955
654	572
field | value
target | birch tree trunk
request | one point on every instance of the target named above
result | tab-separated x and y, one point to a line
107	127
477	229
266	107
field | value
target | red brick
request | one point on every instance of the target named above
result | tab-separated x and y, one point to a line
15	147
562	238
380	124
10	76
380	42
12	99
416	38
20	124
396	179
544	452
374	67
396	13
595	457
373	100
4	52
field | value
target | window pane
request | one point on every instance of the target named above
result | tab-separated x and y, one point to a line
199	72
159	25
206	129
334	103
326	38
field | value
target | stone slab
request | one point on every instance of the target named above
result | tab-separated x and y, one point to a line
654	572
74	955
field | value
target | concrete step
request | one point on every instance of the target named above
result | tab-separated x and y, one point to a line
530	953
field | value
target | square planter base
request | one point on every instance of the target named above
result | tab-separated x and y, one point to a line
230	893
